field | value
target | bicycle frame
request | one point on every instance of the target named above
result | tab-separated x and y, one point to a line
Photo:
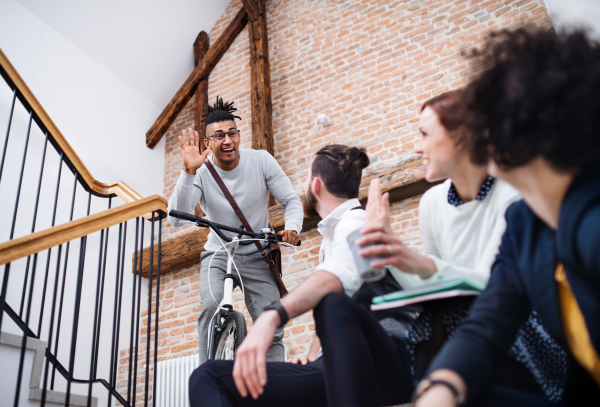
226	306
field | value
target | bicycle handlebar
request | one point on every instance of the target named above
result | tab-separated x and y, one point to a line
218	228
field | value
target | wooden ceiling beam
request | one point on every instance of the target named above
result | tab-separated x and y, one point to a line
402	181
260	77
200	72
201	93
253	8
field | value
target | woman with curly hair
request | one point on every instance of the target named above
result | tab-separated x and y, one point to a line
534	116
461	222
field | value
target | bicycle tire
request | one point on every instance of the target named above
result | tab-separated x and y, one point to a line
230	338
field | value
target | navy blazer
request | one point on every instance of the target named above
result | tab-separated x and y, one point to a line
522	280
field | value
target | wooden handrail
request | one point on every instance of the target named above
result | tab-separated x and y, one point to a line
57	235
28	99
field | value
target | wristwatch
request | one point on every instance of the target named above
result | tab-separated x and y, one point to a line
428	383
283	315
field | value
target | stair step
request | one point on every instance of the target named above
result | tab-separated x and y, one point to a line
35	392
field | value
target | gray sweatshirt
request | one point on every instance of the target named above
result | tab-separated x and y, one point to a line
249	183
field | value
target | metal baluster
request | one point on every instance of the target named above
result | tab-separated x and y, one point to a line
37	201
101	297
24	340
112	348
12	109
135	271
119	307
47	368
62	290
137	325
149	310
102	279
157	309
95	326
76	315
12	229
50	250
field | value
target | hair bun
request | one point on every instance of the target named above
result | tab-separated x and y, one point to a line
353	160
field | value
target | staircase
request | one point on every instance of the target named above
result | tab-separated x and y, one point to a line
34	364
70	300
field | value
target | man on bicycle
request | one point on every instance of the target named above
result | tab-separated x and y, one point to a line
331	190
249	175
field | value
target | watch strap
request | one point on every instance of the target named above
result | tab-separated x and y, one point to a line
283	315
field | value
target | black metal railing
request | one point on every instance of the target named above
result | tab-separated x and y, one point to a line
72	297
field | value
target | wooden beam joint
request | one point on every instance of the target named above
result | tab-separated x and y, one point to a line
200	72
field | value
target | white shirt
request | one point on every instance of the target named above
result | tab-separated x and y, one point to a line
335	255
463	240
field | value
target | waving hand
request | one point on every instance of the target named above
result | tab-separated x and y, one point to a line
190	151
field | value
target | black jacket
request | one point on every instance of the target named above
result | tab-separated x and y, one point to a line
522	280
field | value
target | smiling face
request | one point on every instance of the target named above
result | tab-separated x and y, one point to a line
438	149
226	151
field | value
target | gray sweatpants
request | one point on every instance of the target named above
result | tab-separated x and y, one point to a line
260	288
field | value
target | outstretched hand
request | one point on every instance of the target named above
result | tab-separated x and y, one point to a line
250	365
190	151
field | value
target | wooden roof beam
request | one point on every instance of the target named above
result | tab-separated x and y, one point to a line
260	77
200	72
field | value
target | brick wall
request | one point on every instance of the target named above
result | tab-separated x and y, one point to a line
368	65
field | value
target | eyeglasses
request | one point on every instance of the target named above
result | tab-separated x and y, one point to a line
221	136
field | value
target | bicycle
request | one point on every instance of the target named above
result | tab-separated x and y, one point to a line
227	328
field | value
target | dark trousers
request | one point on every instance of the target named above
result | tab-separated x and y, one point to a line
287	385
499	396
362	366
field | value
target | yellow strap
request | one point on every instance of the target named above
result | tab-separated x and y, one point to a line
575	327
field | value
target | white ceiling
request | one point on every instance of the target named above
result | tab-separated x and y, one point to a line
148	44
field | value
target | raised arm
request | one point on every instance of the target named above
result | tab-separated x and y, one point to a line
186	193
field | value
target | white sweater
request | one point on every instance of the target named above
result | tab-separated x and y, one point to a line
462	240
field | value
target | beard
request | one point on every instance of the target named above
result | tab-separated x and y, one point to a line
310	204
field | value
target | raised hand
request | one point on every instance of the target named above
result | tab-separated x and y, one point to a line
190	151
378	209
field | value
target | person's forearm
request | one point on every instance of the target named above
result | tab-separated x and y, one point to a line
293	213
310	292
184	198
438	395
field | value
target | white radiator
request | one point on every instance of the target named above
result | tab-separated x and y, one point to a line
172	378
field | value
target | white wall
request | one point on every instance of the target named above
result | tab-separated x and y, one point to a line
568	14
103	102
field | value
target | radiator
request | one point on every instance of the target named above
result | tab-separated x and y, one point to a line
172	381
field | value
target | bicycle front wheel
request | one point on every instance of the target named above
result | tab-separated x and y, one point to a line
230	337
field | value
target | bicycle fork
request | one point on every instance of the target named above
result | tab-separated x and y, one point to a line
226	305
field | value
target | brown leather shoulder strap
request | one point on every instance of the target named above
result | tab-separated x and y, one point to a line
233	204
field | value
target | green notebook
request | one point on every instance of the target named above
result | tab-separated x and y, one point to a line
453	286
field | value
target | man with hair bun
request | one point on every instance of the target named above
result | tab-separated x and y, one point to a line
249	175
331	190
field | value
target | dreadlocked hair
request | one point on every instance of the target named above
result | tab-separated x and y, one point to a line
219	112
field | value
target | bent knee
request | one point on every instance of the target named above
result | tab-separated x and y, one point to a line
332	304
207	373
